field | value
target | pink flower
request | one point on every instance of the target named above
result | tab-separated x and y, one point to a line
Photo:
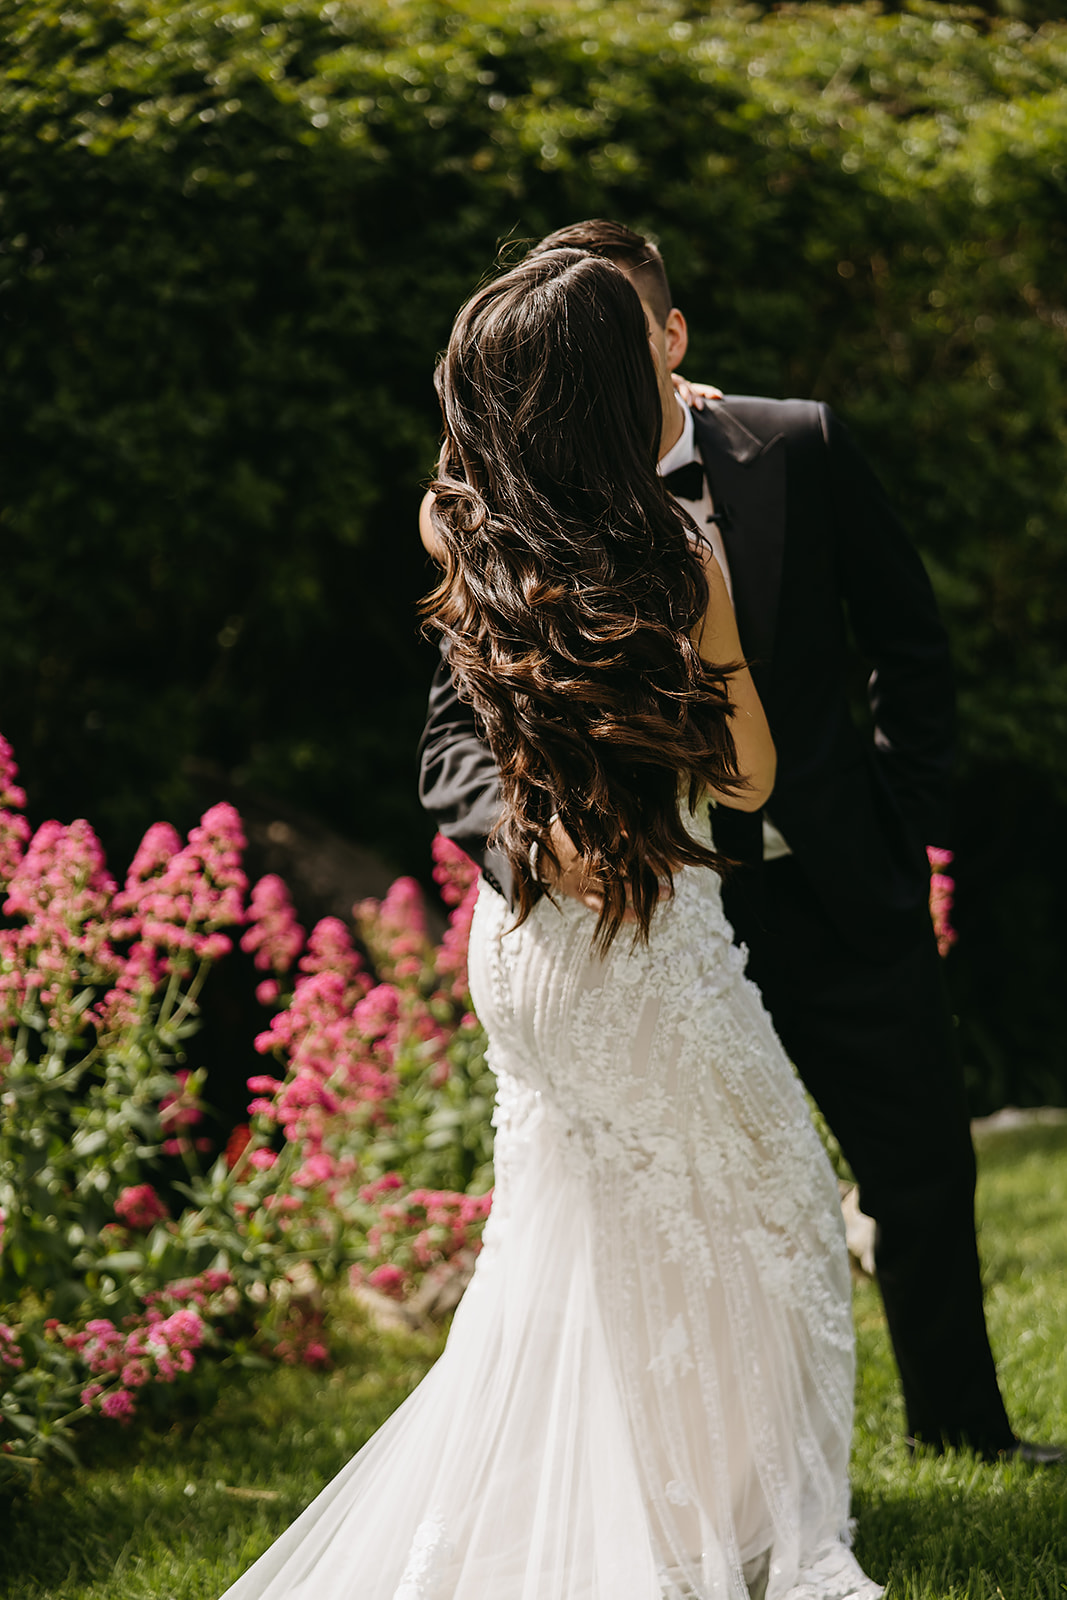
454	871
315	1354
394	930
330	949
274	936
62	889
10	792
14	829
154	853
182	1330
139	1206
267	991
178	899
10	1353
452	956
140	976
118	1404
376	1014
383	1185
316	1169
262	1084
942	897
262	1160
388	1279
89	1394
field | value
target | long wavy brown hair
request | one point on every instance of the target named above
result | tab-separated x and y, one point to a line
572	584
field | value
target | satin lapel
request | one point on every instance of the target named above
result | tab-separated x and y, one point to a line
747	478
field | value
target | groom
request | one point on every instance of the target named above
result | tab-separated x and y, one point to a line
830	892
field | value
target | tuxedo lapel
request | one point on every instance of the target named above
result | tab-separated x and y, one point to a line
747	479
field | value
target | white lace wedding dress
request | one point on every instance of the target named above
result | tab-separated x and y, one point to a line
647	1390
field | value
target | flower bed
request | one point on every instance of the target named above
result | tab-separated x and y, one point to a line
367	1152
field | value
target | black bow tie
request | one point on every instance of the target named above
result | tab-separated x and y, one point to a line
686	483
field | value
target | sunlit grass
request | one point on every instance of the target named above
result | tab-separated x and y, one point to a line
155	1517
954	1528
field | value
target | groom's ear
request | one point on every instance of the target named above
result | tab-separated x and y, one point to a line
677	338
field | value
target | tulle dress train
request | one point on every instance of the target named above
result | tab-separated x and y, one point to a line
646	1393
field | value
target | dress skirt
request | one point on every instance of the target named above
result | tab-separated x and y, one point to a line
646	1392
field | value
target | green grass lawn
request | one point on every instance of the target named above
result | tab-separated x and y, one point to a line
178	1516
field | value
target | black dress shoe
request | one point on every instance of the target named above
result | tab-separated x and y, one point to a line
1038	1455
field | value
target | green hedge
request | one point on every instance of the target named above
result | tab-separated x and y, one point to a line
233	237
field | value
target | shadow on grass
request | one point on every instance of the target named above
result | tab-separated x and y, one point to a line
959	1527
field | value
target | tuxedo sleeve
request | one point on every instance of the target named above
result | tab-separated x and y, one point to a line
895	621
458	783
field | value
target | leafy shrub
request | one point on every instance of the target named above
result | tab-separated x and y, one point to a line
234	235
369	1152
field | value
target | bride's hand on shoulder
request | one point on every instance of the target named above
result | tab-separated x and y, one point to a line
694	394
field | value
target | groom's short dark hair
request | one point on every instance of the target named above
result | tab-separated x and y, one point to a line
636	255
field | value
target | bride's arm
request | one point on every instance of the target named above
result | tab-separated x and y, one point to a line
717	640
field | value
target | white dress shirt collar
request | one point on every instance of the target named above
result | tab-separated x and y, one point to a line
684	448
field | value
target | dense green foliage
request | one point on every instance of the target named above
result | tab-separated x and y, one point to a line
181	1514
232	237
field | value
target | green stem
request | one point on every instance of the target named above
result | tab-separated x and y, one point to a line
168	1000
191	995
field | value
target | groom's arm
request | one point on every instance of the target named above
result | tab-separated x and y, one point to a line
897	627
458	782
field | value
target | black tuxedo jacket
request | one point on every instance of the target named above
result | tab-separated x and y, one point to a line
814	551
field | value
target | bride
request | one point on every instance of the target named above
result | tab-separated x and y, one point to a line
647	1389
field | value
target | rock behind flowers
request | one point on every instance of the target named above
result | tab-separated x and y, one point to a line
366	1156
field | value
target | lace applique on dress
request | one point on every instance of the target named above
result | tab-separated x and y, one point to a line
425	1570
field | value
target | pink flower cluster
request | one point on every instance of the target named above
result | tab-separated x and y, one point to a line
394	931
424	1229
176	900
203	1292
157	1351
336	1038
942	897
177	897
14	829
140	1207
62	890
457	878
10	1353
274	938
356	1048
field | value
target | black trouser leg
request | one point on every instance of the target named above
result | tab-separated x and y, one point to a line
872	1040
